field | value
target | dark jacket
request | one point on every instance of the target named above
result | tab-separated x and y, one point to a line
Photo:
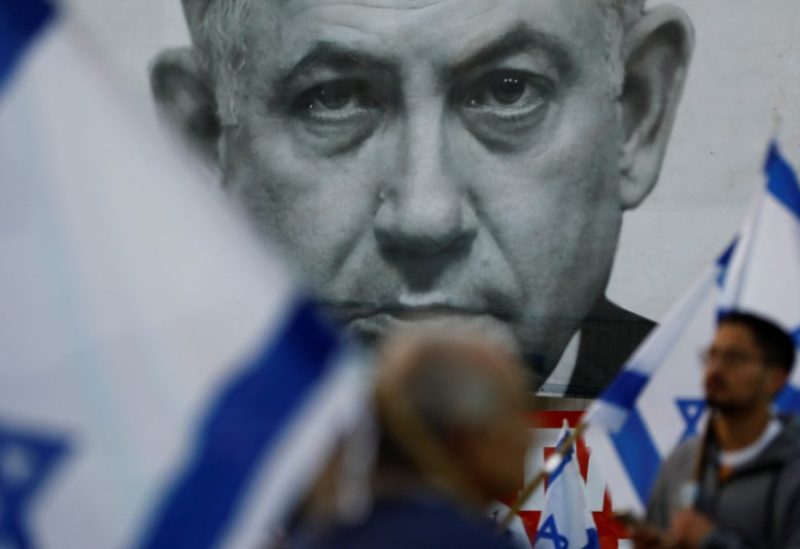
406	522
609	335
758	505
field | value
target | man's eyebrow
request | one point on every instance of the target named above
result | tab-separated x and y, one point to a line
518	39
334	56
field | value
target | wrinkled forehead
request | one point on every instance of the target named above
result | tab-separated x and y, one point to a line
419	18
440	32
197	10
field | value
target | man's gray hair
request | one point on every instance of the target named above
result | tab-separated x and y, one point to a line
450	396
451	381
215	26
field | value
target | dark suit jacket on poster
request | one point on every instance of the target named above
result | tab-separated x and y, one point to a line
609	335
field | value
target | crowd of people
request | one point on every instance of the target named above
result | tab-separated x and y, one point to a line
453	432
453	421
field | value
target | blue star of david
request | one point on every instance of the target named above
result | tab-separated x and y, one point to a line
592	539
550	531
26	461
691	410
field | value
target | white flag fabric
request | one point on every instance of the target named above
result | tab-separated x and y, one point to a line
163	382
657	400
566	520
764	273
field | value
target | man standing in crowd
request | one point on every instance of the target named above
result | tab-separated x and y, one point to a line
454	435
428	162
739	485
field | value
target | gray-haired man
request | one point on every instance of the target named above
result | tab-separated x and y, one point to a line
443	161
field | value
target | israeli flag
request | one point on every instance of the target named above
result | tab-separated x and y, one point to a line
163	382
764	273
566	521
657	400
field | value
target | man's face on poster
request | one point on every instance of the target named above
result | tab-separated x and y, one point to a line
460	161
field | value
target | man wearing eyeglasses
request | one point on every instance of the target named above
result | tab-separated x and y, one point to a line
739	484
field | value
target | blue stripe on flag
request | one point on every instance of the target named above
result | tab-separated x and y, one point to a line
20	20
788	401
625	388
725	257
244	423
564	461
638	454
593	540
796	337
723	261
782	181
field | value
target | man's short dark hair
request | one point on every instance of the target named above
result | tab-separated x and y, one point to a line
773	341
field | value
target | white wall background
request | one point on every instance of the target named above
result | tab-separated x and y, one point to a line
745	74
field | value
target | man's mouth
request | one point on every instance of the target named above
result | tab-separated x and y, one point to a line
372	322
401	313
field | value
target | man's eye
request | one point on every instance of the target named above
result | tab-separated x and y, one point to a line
508	93
336	100
340	113
334	96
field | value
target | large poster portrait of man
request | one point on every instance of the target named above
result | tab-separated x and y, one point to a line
444	162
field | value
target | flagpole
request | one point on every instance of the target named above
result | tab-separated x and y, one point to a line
549	466
699	465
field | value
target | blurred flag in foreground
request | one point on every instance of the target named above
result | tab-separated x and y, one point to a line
566	520
162	381
657	401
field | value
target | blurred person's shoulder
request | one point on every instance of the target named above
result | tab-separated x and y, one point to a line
421	522
791	428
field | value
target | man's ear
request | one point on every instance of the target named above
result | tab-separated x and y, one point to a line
656	53
776	380
185	99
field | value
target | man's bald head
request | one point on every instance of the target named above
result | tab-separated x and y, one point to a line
452	381
467	395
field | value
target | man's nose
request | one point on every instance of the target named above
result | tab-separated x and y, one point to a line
425	208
